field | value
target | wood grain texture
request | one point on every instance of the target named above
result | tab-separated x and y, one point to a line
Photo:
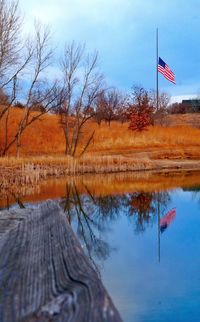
44	273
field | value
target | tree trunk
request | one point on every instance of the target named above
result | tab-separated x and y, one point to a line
18	144
65	130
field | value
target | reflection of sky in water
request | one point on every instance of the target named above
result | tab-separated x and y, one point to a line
120	235
145	290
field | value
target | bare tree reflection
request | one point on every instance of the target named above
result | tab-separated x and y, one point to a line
16	197
90	214
143	207
195	192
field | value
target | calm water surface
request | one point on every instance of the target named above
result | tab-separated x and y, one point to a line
151	274
146	285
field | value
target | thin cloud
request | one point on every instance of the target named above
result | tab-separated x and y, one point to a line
123	31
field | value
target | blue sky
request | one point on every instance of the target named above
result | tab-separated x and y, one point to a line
123	32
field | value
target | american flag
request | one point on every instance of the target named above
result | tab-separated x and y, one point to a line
167	219
163	68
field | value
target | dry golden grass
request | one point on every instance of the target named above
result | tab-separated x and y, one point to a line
120	139
45	136
192	120
113	149
28	171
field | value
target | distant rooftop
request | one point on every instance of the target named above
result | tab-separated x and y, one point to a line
191	102
194	104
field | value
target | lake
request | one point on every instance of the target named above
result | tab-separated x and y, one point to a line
141	232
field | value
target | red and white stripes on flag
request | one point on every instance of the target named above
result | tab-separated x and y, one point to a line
164	69
167	219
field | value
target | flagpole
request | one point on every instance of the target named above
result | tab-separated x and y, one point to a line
157	93
157	99
158	226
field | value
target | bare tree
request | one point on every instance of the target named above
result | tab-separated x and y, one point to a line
83	83
10	45
122	109
110	105
179	108
161	110
100	106
11	61
38	89
10	42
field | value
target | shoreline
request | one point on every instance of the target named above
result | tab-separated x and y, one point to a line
100	185
31	171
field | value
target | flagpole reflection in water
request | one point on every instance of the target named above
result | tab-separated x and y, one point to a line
158	226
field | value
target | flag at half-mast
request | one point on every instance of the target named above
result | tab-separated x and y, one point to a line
166	220
164	69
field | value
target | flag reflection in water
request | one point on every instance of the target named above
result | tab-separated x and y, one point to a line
167	219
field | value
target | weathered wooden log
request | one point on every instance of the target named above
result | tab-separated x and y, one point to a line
44	273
